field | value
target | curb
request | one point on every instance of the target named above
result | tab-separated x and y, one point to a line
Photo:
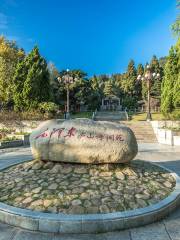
90	223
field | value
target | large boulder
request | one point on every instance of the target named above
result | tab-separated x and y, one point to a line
83	141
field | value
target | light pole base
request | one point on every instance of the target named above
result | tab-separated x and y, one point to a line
67	115
149	117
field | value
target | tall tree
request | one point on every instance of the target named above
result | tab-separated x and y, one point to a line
176	25
37	84
18	83
156	83
109	88
170	77
176	89
128	84
56	90
139	84
10	55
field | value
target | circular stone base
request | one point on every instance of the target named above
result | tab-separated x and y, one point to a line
76	198
84	189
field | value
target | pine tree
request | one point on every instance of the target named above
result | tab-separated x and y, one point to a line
139	85
37	84
140	69
170	76
128	84
156	83
176	25
18	82
176	89
108	89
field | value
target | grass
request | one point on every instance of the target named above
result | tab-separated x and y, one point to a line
142	116
9	139
175	129
22	133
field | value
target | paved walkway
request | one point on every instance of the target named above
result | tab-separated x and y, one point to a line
167	229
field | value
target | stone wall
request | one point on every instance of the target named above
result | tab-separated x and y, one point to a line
165	135
20	126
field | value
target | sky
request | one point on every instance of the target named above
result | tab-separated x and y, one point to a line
97	36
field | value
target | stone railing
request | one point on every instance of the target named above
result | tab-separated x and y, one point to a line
165	134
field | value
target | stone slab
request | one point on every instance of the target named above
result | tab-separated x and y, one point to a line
152	232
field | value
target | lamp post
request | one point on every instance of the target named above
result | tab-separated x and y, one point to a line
148	77
67	79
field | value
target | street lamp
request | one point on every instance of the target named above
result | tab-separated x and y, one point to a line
67	79
148	77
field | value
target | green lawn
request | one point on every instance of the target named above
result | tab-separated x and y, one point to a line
142	116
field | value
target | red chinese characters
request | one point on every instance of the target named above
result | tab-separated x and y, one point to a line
119	138
42	135
72	132
57	130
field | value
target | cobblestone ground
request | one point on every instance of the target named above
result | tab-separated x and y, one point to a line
83	188
167	229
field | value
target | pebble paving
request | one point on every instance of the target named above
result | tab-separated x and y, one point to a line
168	228
84	189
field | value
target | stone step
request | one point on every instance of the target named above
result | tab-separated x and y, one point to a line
142	130
110	116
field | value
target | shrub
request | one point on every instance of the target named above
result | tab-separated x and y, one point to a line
48	107
9	139
175	115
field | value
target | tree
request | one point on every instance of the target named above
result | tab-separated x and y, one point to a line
170	77
156	83
97	86
140	69
56	91
37	83
109	88
129	82
176	89
10	55
139	84
18	82
130	86
176	25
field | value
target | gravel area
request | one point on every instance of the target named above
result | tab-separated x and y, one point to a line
84	189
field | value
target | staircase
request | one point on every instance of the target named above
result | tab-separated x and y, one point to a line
143	131
110	116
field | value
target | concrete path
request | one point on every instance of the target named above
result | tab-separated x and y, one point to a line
167	229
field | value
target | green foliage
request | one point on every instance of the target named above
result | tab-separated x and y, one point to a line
54	84
128	83
174	115
48	107
140	69
129	102
156	66
176	25
156	83
18	82
176	89
9	139
169	81
10	55
95	92
37	83
109	88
